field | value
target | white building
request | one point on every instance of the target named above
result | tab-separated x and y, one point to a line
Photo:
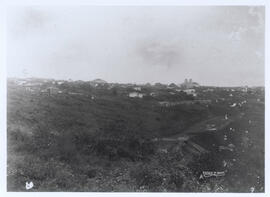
190	92
59	82
135	95
245	89
22	82
208	90
137	88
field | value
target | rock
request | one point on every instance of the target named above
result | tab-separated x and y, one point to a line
233	105
224	163
29	185
231	146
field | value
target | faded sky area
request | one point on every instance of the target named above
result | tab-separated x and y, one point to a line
213	45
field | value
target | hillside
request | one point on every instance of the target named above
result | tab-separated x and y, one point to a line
76	136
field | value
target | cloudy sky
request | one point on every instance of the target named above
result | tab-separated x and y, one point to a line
213	45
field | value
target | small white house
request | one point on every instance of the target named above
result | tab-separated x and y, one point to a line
59	82
245	89
21	82
137	88
190	92
135	95
209	90
29	89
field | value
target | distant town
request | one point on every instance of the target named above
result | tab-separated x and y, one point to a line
51	86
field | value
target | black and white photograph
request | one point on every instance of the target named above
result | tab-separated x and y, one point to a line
135	98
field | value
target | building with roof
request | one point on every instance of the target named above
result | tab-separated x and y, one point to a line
189	84
136	95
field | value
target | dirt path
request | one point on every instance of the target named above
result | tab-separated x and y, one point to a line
184	138
200	127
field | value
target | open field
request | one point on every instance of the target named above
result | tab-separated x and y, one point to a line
83	137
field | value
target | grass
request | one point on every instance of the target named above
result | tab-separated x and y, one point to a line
75	143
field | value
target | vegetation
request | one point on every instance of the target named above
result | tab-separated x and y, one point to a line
99	139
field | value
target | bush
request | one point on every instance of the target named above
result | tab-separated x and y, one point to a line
177	179
66	147
131	148
146	176
206	162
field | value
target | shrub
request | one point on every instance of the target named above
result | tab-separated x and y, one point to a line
206	162
177	179
146	176
91	173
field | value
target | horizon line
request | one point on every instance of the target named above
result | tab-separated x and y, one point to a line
135	83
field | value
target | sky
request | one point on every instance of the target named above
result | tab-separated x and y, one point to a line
213	45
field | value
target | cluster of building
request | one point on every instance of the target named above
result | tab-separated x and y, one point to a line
37	86
187	87
135	91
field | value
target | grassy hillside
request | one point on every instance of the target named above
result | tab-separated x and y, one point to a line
98	139
76	135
